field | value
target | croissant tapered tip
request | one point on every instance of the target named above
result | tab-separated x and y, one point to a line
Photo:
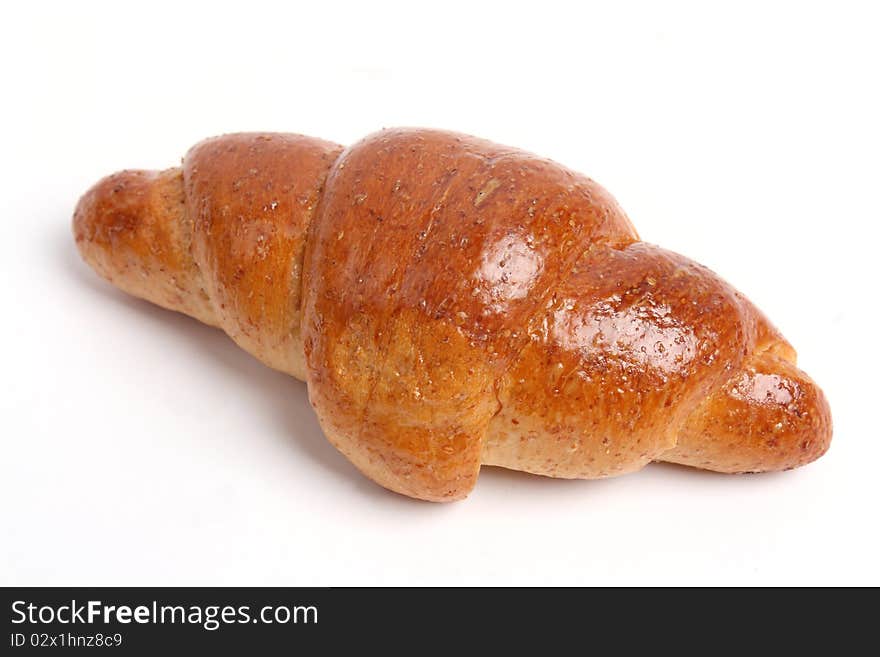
112	211
131	228
771	416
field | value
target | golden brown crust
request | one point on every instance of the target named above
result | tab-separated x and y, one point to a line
251	198
132	228
634	339
453	302
768	416
432	254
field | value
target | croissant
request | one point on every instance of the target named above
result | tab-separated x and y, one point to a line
451	302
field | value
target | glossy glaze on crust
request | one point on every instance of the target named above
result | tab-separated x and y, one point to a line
452	302
251	199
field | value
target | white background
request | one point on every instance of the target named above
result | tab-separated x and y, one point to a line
139	447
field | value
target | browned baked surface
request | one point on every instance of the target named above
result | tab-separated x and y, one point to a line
452	302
